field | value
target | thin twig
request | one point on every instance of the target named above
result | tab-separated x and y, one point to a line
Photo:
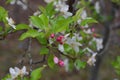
43	60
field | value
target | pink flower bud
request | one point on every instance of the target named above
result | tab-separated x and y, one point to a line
59	38
61	63
61	42
93	29
56	60
52	35
94	35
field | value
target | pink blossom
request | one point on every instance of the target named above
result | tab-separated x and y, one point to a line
56	60
52	35
93	29
61	63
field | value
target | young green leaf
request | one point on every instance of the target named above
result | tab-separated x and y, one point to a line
80	64
77	15
44	19
30	33
22	26
36	74
88	21
50	61
44	50
36	21
42	39
3	14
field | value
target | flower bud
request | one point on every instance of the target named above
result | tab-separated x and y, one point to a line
61	63
52	35
56	60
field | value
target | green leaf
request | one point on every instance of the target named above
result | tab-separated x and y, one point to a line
50	61
88	21
44	19
42	39
79	64
67	48
61	24
1	28
6	77
22	26
3	14
77	15
50	11
42	9
36	21
36	74
30	33
44	50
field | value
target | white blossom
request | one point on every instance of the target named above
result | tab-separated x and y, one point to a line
67	14
20	3
36	13
97	7
61	47
11	22
15	72
66	64
23	5
74	44
12	2
50	40
88	31
62	7
84	14
99	43
91	61
48	1
88	49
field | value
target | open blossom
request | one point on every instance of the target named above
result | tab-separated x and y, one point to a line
15	72
61	48
20	3
48	1
91	61
97	7
66	64
62	7
88	31
99	43
74	44
11	22
84	14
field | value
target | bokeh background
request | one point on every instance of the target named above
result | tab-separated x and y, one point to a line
12	50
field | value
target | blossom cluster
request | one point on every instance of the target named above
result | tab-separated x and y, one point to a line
61	6
22	3
15	72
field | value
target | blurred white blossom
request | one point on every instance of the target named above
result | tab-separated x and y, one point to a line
99	43
15	72
97	7
61	47
73	43
11	22
91	61
66	64
84	14
88	31
22	3
62	7
48	1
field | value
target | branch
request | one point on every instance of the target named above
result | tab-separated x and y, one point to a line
43	60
